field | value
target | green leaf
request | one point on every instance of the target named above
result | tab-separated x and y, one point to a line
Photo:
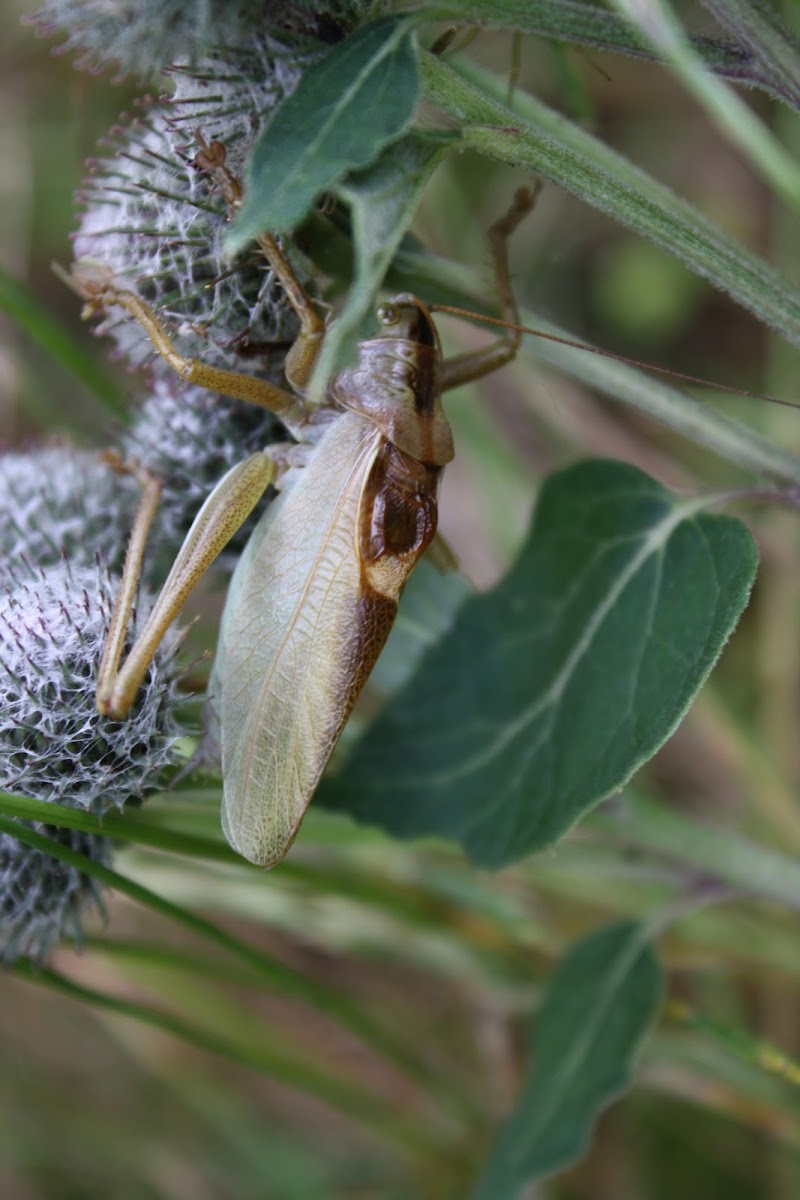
382	201
598	1007
552	689
320	132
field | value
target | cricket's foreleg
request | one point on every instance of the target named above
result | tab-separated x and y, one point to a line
95	283
225	510
300	360
299	364
465	367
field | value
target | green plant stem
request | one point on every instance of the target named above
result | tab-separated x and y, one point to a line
587	25
534	136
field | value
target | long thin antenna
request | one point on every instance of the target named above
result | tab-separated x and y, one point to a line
632	362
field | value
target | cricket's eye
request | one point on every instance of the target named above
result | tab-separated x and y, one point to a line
387	314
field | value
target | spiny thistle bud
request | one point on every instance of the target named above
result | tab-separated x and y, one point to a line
43	900
190	438
55	746
158	224
143	36
156	217
58	502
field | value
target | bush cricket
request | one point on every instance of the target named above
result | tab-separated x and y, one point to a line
314	596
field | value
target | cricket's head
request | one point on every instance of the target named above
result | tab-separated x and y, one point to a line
395	383
408	318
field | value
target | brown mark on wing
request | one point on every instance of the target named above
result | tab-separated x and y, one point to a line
397	523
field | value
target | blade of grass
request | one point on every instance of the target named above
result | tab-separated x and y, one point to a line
535	136
759	29
293	982
29	314
731	439
657	22
714	852
120	827
754	1051
342	1096
588	25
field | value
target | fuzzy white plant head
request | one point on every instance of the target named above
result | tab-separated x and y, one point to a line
55	746
157	220
141	37
59	502
158	224
190	438
42	899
